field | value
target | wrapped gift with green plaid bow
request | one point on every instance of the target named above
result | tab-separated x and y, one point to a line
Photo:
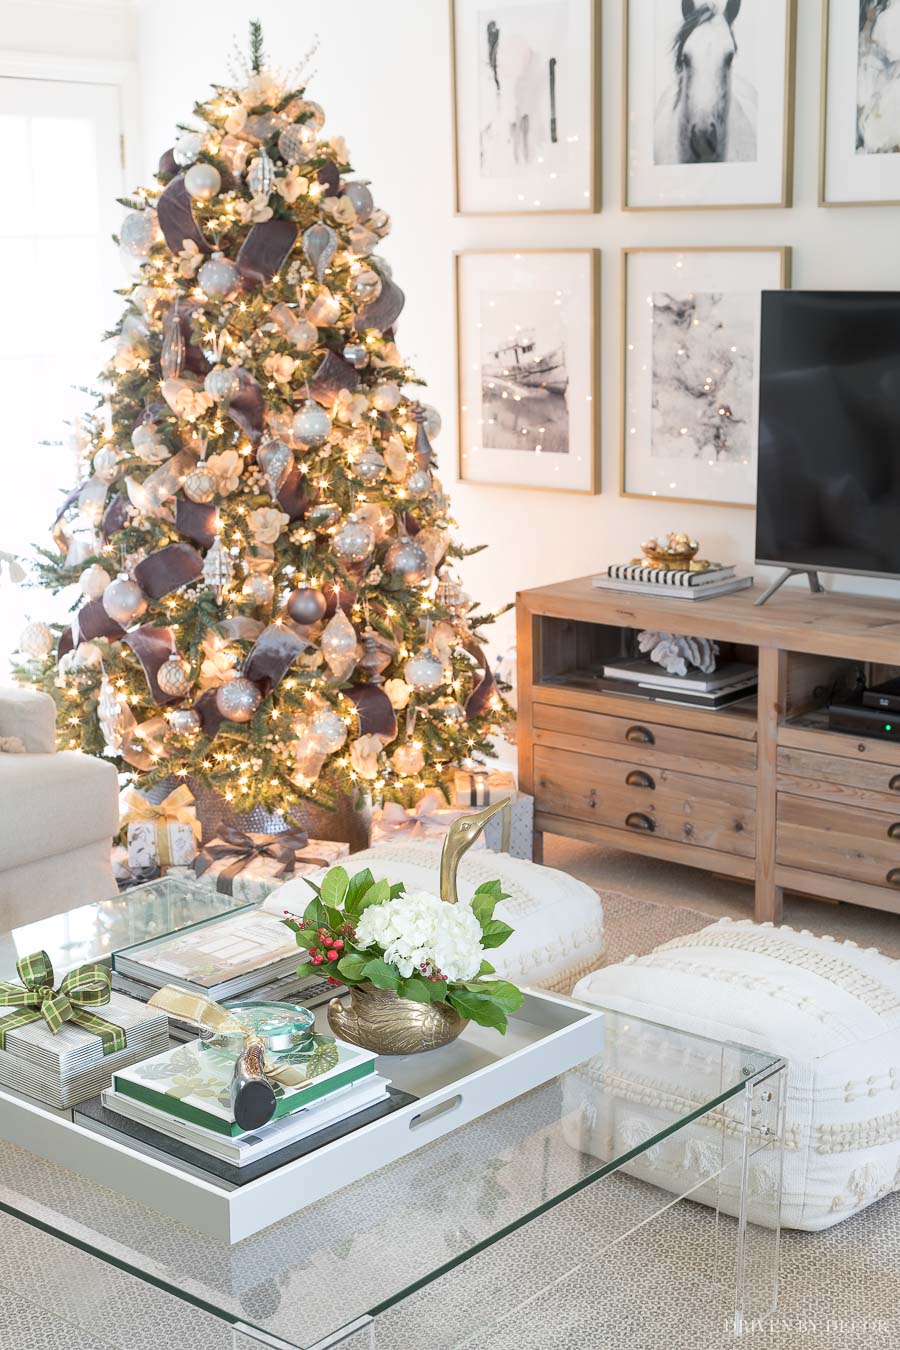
54	1043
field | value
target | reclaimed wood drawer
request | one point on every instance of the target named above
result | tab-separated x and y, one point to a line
644	740
843	841
839	779
629	795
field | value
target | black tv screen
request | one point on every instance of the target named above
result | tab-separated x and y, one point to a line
829	431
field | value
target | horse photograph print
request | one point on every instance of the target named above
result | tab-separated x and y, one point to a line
707	111
709	88
859	162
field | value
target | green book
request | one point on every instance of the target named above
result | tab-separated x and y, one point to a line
193	1082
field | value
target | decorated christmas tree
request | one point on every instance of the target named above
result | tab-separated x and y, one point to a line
261	544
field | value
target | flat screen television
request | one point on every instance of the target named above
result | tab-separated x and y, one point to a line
829	432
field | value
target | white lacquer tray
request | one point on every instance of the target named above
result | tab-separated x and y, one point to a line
479	1071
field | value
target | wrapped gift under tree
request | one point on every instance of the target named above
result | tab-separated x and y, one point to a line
250	866
511	831
160	835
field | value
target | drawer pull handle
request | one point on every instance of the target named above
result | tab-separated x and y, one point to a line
894	830
636	820
894	784
637	778
893	877
644	736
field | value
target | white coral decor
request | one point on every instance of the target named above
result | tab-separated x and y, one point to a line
418	929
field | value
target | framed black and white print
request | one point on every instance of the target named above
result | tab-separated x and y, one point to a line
528	368
708	117
524	116
860	139
690	343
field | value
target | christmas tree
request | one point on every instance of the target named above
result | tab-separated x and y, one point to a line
261	543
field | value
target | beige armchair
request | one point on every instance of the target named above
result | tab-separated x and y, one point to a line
58	814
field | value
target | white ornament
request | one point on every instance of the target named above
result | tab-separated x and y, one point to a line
105	464
311	424
222	383
355	540
146	445
218	277
218	567
123	599
36	640
137	233
424	671
203	181
259	588
385	397
339	645
93	581
188	145
408	760
328	730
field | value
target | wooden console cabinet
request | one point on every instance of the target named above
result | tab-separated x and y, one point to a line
760	789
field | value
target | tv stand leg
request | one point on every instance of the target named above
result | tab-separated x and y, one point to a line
815	584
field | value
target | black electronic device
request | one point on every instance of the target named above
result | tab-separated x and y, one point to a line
854	716
885	696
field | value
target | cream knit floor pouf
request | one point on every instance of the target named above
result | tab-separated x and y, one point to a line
831	1009
557	921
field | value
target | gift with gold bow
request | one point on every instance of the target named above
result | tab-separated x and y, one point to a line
66	1069
249	866
161	834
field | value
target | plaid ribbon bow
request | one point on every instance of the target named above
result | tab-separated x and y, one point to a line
243	848
82	989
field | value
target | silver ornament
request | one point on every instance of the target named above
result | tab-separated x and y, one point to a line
110	715
408	560
361	197
385	397
174	676
106	464
424	671
172	354
311	424
260	126
356	354
184	722
203	181
448	709
323	515
36	640
315	114
328	731
355	540
259	587
338	645
146	445
188	145
238	700
199	485
418	484
222	383
303	334
380	221
218	567
261	175
124	600
364	286
218	277
93	581
306	605
296	143
431	421
379	516
320	245
408	760
276	461
369	467
137	233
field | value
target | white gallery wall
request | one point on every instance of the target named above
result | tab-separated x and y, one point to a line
382	73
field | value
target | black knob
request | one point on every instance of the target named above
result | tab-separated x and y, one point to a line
636	820
637	778
894	784
894	830
893	877
639	735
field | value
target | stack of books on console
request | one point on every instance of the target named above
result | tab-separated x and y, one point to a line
179	1104
733	680
248	953
673	583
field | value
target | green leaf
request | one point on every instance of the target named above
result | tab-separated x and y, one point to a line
482	1010
335	885
380	974
419	990
359	884
353	965
490	888
483	907
305	969
486	968
499	991
376	894
334	919
494	933
315	915
397	889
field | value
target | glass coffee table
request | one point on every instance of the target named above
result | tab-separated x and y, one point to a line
559	1219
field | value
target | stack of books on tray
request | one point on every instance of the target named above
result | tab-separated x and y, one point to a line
248	953
179	1104
675	583
732	681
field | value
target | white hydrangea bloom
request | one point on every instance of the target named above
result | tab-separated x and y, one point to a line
419	929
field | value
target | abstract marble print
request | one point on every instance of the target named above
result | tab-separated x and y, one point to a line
878	78
703	353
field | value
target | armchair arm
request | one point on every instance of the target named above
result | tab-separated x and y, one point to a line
30	715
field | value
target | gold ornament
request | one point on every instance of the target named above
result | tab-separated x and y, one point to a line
174	676
199	485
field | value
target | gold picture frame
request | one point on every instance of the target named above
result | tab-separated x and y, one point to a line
783	252
595	155
787	173
824	199
593	366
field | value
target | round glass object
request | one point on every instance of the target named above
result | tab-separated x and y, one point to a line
284	1028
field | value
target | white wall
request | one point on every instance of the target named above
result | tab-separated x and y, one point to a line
84	28
383	76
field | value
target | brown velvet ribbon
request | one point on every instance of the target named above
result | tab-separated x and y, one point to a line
272	655
243	849
384	311
246	407
264	251
152	646
330	177
480	697
168	164
194	360
115	517
210	717
295	495
176	217
91	621
347	595
374	710
332	375
197	521
167	569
